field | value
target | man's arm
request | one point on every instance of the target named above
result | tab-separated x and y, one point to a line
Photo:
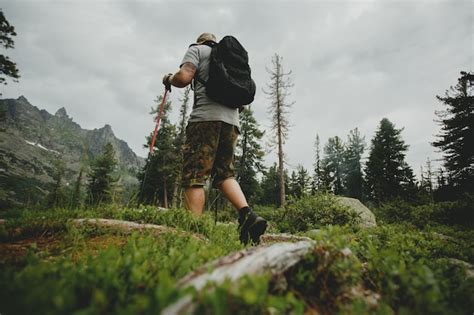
182	78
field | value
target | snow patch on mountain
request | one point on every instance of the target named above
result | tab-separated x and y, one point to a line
40	146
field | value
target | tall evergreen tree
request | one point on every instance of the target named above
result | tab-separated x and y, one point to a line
76	194
179	143
7	67
100	180
278	91
317	182
388	176
157	177
76	199
57	196
249	155
426	182
456	138
292	183
300	182
333	164
352	168
271	186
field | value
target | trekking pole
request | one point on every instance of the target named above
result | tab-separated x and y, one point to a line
153	138
158	119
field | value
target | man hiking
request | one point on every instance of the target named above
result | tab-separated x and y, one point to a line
211	137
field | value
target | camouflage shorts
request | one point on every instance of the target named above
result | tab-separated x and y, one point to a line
209	151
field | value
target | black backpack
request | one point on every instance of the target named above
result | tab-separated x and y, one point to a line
230	81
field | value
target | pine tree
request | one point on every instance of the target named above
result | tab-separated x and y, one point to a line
443	191
456	138
292	184
317	182
352	168
271	186
179	143
333	164
388	176
300	182
426	182
57	196
100	180
76	194
249	155
158	176
7	67
277	90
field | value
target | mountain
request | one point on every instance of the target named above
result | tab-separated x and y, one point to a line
32	141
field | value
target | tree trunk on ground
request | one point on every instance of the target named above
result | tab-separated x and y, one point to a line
128	226
273	259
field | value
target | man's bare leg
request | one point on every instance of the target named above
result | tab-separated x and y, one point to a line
195	198
232	191
251	226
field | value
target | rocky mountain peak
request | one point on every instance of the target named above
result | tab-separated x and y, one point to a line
107	130
23	99
61	113
30	141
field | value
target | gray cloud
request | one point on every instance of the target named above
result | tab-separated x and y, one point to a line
352	62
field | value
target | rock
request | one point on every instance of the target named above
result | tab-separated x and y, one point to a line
61	113
462	263
444	237
367	217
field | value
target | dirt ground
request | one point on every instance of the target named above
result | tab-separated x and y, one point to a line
51	246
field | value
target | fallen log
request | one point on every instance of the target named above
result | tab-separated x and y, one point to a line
273	238
274	259
128	226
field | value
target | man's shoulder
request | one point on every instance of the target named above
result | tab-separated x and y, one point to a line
200	48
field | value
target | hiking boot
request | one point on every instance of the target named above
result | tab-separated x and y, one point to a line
251	226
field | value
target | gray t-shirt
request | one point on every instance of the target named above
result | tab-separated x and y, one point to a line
205	109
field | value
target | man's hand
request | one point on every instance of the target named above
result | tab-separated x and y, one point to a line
167	81
180	79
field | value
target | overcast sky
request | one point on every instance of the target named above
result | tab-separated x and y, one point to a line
353	62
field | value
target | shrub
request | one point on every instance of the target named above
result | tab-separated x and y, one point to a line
248	295
313	212
404	265
449	212
326	275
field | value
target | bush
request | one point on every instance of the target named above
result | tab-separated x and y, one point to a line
407	268
449	212
313	212
248	295
326	275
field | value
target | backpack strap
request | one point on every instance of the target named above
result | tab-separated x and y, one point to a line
211	44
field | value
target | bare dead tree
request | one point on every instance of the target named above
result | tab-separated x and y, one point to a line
278	91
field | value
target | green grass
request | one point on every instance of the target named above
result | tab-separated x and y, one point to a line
59	268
